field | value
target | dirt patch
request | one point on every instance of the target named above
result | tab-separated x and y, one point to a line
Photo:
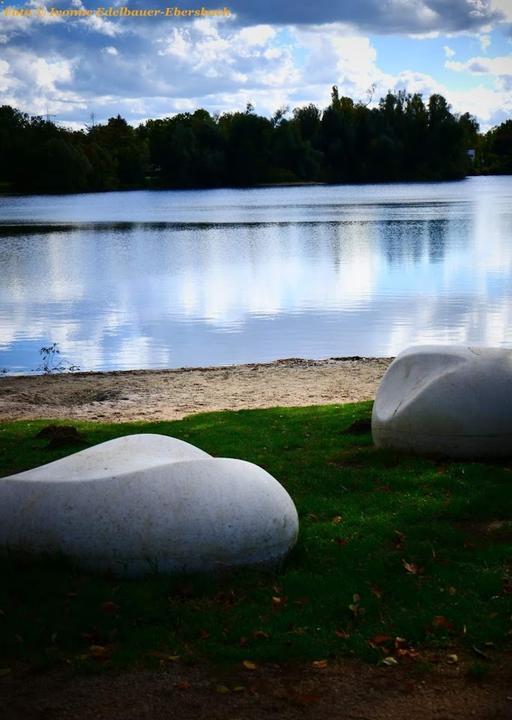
61	436
344	691
172	394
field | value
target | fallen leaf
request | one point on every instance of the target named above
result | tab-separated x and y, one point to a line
319	664
337	519
222	689
440	621
400	642
183	685
341	541
411	568
343	634
239	688
4	671
390	661
377	640
261	634
452	659
407	652
249	665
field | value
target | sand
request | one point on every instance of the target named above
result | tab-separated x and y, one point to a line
172	394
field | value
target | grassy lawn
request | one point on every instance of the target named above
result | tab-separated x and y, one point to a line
390	546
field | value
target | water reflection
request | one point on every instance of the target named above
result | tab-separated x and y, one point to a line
363	271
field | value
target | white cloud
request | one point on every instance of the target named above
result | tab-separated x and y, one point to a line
504	7
178	45
155	69
500	68
485	41
5	80
40	85
336	56
415	82
46	73
257	34
95	23
231	57
491	107
483	65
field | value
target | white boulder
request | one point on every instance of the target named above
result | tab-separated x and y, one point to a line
145	503
446	401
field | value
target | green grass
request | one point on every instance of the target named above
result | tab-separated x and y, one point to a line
363	513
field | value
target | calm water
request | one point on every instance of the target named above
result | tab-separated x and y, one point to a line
168	279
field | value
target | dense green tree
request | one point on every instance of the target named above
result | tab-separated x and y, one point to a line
13	134
60	166
248	147
402	138
128	153
496	149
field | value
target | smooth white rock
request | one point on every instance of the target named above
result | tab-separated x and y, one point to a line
445	400
115	457
145	503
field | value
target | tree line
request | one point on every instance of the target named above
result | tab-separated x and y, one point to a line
402	138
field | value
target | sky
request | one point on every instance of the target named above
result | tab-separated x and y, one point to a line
271	53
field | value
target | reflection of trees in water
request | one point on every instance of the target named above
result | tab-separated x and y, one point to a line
351	278
438	233
402	241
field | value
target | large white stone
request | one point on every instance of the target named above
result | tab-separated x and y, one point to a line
444	400
144	503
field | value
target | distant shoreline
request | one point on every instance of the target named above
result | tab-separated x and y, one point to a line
258	186
129	395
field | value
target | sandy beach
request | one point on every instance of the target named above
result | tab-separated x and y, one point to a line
171	394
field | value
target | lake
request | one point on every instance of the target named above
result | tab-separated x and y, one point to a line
152	279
